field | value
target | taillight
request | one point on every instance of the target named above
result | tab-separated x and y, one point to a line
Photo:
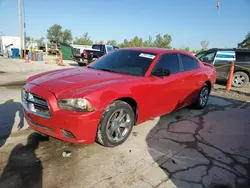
85	54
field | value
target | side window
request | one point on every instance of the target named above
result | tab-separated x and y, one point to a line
168	61
208	58
242	56
109	48
247	57
189	63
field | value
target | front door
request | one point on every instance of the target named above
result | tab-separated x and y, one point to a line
166	91
222	62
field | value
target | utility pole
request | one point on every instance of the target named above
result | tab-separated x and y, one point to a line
20	26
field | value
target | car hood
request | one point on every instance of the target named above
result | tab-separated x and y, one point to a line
61	81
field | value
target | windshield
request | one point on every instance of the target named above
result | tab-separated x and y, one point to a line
96	47
129	62
200	54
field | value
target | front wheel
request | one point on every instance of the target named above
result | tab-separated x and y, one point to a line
116	124
201	102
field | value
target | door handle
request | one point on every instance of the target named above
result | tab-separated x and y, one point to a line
182	81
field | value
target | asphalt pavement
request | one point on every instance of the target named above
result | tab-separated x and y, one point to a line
187	148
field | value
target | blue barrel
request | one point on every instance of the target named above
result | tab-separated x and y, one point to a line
41	55
15	53
30	55
37	56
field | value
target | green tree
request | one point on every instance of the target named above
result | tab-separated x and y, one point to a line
149	42
160	41
40	41
54	33
187	49
246	42
100	42
196	51
112	42
163	41
136	42
27	39
67	36
83	40
124	44
204	44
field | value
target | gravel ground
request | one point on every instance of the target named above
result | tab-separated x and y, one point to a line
242	94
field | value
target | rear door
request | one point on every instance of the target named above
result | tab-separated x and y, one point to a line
193	79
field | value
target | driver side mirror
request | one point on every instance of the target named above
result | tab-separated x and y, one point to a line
161	72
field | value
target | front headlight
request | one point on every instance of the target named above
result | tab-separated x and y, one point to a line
81	105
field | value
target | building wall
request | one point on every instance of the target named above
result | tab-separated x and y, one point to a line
7	40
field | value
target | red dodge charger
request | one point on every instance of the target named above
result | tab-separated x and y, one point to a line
104	100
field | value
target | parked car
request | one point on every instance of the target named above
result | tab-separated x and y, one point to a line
222	57
97	51
104	100
78	50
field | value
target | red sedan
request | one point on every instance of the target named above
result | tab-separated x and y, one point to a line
104	100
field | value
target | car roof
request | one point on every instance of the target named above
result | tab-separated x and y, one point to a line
230	49
156	50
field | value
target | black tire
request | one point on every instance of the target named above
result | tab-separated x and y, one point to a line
81	64
243	79
43	135
90	61
102	134
198	103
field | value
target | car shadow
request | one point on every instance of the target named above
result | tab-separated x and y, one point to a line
74	64
204	148
24	168
8	112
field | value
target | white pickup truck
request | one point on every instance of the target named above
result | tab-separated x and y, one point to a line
90	54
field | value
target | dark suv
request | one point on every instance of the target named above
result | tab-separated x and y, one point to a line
222	59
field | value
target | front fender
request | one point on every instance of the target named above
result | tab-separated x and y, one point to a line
101	99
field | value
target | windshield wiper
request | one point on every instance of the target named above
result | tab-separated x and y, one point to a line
108	70
102	69
90	67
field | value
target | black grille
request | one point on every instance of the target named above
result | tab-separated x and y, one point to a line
35	104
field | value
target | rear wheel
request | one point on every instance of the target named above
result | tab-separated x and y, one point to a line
201	102
116	124
240	79
81	64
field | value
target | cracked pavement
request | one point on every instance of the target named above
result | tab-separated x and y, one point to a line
187	148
